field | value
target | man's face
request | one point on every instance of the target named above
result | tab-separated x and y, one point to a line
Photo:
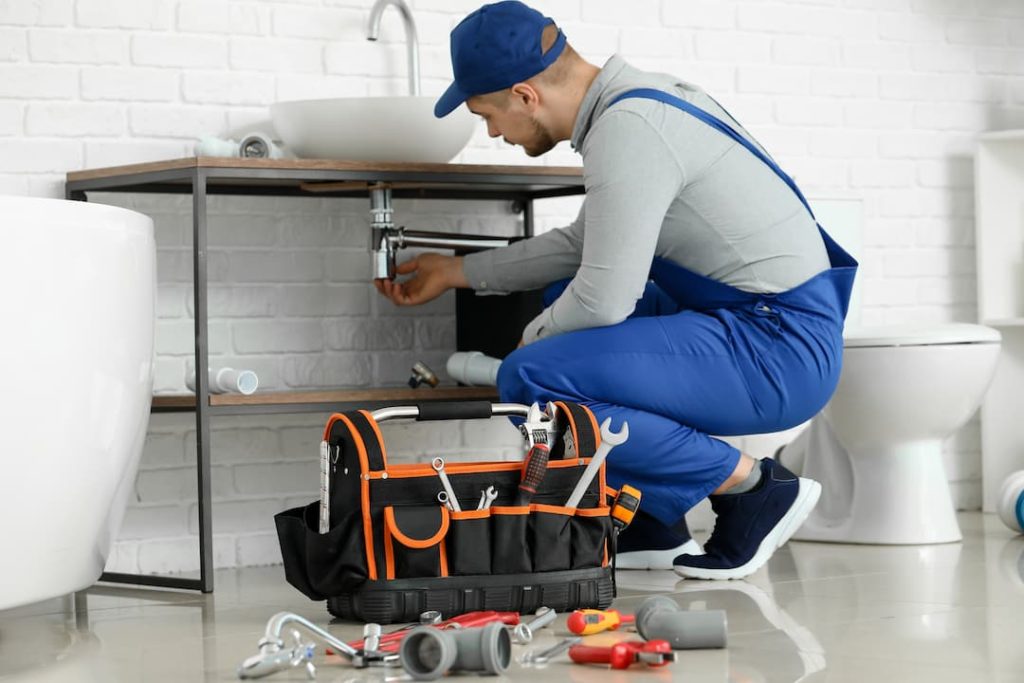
513	123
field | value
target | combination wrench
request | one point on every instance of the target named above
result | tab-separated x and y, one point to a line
438	465
609	440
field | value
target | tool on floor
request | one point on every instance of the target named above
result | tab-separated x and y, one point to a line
609	440
430	617
624	507
535	466
587	622
438	465
274	656
429	653
371	637
661	618
523	632
390	642
422	374
545	656
487	497
623	655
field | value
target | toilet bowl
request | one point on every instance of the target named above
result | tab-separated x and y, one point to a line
77	297
876	448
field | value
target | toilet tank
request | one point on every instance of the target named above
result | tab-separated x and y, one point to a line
843	220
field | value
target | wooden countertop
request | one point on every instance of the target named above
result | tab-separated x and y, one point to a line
215	163
331	178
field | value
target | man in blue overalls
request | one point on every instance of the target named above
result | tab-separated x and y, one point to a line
695	294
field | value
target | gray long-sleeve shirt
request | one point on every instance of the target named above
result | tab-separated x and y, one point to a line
659	182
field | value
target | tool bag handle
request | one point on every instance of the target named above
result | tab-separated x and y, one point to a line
451	410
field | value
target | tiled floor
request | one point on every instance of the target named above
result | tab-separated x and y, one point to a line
816	613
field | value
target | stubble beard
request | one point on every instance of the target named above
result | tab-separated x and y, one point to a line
543	141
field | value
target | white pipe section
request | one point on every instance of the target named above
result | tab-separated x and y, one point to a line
227	381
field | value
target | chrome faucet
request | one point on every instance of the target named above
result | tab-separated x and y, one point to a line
386	239
274	655
412	42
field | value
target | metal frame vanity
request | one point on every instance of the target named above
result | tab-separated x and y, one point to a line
202	177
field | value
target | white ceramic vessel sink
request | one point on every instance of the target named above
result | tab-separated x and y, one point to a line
400	128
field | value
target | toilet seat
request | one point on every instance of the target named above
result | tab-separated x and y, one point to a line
919	335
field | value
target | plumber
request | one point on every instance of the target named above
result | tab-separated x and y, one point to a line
694	295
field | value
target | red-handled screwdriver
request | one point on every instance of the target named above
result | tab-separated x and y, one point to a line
625	654
535	466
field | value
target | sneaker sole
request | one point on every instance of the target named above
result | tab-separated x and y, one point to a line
806	499
656	559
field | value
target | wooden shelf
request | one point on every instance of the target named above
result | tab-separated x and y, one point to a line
330	177
317	401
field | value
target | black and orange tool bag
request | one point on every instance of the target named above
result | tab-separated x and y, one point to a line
392	550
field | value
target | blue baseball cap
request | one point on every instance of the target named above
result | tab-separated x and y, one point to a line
494	48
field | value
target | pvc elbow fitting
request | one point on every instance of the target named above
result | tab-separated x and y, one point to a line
428	653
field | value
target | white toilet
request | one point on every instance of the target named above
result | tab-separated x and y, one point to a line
876	447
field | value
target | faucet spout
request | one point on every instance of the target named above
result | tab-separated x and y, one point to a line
412	41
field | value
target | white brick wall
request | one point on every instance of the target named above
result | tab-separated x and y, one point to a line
879	100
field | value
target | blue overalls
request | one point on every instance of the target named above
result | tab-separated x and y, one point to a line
697	357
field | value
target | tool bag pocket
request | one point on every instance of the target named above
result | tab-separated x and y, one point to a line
510	553
591	530
551	537
414	541
469	543
320	565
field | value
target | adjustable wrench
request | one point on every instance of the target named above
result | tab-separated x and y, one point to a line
540	426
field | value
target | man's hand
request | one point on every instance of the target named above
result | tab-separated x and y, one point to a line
432	275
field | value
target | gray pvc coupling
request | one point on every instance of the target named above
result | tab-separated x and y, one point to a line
661	618
428	653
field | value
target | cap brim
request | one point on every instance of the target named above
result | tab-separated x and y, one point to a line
450	101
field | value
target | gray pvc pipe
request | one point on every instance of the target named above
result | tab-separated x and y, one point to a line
661	618
428	653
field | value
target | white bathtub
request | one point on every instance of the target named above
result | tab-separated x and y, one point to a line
77	305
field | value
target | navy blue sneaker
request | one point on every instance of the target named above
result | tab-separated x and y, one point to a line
648	544
750	526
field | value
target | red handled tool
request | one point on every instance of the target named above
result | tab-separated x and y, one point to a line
535	466
586	622
391	642
625	654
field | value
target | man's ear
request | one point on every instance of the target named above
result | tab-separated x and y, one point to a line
526	95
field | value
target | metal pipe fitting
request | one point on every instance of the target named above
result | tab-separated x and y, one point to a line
274	656
386	239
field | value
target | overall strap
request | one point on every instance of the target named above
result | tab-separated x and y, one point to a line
714	122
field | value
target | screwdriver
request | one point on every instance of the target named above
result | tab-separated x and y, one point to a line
535	466
624	508
585	622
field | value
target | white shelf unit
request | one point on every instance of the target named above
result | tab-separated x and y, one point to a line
999	241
